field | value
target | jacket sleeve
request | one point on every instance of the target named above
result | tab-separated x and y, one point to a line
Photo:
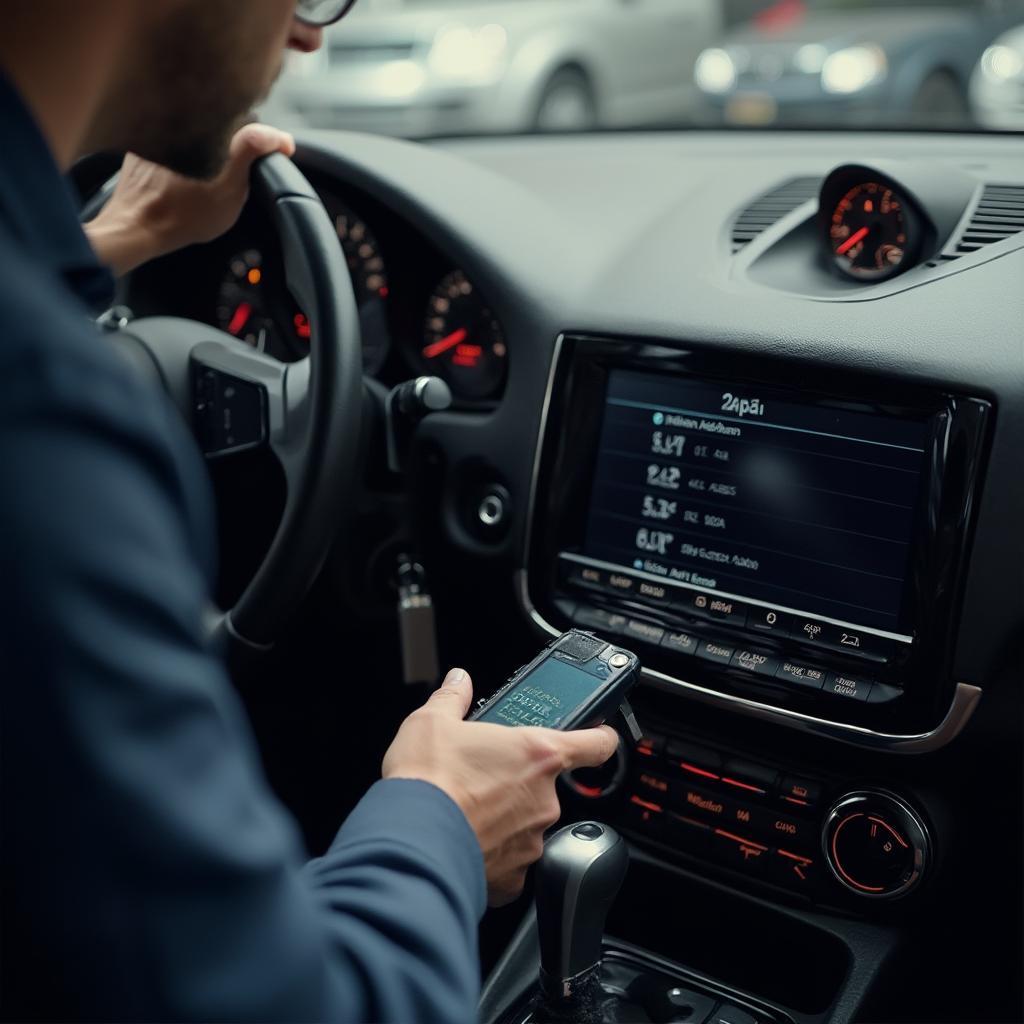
149	874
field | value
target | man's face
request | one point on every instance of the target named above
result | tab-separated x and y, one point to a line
199	69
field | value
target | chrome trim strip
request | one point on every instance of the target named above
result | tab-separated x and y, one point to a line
965	696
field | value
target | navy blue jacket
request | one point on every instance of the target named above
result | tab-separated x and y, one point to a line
147	871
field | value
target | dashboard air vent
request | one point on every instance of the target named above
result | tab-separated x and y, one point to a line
998	215
762	213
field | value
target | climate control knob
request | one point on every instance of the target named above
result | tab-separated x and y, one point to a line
876	845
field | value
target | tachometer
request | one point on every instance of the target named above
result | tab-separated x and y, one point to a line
243	308
463	341
869	233
369	281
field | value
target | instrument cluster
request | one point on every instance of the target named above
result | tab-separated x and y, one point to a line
418	314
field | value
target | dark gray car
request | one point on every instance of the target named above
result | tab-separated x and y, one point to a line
873	62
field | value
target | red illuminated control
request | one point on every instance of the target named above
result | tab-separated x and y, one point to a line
876	845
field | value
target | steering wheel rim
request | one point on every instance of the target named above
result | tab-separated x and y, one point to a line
312	410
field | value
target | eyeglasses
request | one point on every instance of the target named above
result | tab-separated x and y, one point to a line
320	13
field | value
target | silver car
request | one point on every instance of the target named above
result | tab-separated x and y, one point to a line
434	67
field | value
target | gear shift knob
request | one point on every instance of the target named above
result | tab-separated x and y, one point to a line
578	879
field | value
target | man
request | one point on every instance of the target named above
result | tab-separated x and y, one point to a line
147	871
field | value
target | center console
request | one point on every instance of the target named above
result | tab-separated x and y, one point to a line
783	542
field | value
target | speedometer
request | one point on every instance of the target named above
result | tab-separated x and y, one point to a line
463	341
869	231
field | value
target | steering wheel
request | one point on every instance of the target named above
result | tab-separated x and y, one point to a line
309	413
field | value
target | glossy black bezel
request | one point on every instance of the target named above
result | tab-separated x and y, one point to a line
958	430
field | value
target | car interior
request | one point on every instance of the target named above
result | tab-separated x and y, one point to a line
747	403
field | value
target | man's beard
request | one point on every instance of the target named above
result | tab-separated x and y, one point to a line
200	85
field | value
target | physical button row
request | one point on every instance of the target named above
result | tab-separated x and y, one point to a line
703	766
709	605
729	655
723	845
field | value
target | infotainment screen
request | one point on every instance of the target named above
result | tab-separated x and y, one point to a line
804	506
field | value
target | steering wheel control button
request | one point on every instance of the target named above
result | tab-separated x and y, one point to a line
876	845
588	830
230	414
802	675
756	663
847	686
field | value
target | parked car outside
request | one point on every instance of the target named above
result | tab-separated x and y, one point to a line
884	63
997	85
429	67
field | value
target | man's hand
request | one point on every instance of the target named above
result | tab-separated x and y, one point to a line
154	211
502	778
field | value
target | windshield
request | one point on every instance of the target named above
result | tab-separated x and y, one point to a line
422	68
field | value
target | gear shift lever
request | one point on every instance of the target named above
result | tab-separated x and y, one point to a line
578	879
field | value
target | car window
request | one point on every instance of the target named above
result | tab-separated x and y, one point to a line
422	68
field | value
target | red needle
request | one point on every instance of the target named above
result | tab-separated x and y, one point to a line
851	241
241	318
450	341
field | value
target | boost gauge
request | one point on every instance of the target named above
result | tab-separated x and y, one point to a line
463	341
871	227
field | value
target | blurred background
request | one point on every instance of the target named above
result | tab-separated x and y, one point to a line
422	68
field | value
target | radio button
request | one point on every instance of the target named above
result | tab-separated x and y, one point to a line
694	760
702	803
713	606
755	663
645	815
768	620
643	631
802	675
711	650
655	786
792	869
847	686
657	593
737	851
681	643
650	745
813	632
752	779
800	792
688	834
620	584
584	576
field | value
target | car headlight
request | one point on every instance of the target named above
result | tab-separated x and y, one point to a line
715	71
1001	63
466	53
853	69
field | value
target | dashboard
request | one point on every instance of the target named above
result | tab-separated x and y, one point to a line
751	405
418	313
